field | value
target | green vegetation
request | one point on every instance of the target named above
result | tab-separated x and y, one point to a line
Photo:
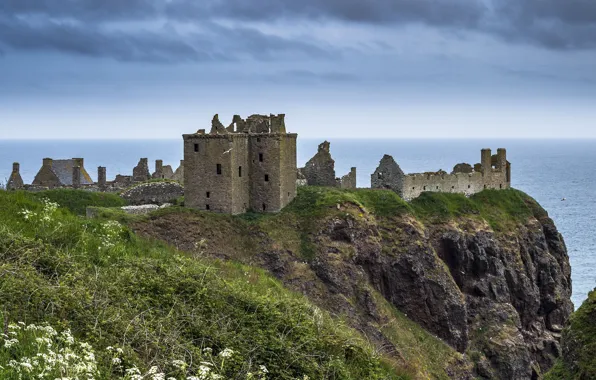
579	337
111	288
77	201
501	209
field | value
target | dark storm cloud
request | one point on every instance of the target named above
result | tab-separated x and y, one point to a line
83	26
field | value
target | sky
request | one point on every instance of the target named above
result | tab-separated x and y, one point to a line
156	69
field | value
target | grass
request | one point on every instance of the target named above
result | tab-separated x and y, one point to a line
579	360
112	288
77	201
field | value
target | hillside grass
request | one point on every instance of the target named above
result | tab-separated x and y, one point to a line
77	201
579	360
112	288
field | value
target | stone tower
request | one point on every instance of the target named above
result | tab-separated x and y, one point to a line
249	165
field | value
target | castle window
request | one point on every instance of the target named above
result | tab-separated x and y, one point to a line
264	207
196	147
207	207
452	187
239	171
258	139
266	177
413	188
424	188
260	157
485	186
208	194
218	168
500	186
469	186
437	187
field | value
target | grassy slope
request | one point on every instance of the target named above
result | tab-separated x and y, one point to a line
293	228
159	305
579	361
426	354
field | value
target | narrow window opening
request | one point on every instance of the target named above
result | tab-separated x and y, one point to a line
218	168
485	186
258	139
452	187
208	194
469	186
260	157
196	147
500	186
266	177
207	207
288	194
437	187
239	171
264	207
424	188
413	188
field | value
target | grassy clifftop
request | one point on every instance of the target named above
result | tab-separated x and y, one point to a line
112	288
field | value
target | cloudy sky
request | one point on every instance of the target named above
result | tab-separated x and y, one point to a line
337	68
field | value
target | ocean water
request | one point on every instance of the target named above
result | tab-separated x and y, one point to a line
548	170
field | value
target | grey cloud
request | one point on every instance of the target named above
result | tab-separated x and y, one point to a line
164	45
78	26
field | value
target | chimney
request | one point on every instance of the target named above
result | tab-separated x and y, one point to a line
101	177
47	162
79	162
76	177
16	167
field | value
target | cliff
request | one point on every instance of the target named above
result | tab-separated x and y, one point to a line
578	361
489	275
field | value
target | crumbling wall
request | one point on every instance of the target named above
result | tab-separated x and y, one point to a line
140	173
158	193
348	181
15	182
179	173
462	168
320	170
388	175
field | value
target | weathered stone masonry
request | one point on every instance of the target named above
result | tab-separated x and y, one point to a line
249	165
494	173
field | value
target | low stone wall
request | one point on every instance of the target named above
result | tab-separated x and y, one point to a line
153	193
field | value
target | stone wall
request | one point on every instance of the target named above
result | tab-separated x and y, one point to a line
158	193
388	175
495	174
349	180
179	173
46	177
320	170
15	182
140	173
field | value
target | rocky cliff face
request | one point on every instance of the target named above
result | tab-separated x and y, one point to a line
498	297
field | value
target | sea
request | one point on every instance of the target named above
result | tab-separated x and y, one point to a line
560	174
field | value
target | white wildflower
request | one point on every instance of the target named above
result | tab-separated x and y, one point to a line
226	353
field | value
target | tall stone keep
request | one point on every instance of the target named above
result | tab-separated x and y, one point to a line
15	182
249	165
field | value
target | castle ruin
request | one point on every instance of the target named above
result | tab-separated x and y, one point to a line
249	165
493	172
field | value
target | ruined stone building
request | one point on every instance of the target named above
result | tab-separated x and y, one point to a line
249	165
15	182
320	171
59	173
493	172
